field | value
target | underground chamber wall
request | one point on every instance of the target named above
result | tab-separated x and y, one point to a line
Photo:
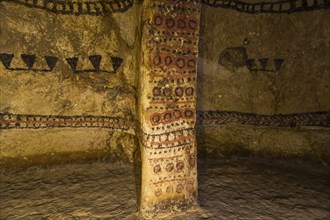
69	93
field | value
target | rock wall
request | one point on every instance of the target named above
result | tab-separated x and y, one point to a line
67	81
264	79
167	106
70	73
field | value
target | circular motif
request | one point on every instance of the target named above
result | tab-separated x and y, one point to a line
179	188
169	189
177	114
179	165
170	23
191	63
156	91
167	117
178	91
188	113
192	160
192	24
180	63
169	167
190	187
168	60
167	91
179	81
189	91
157	169
181	23
158	192
158	20
163	137
157	60
155	119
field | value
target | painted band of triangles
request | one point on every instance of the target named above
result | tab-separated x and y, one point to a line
69	7
252	65
30	121
238	57
51	61
274	6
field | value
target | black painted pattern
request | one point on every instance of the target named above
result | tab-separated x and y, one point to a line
101	7
272	7
236	57
31	121
51	61
68	7
321	119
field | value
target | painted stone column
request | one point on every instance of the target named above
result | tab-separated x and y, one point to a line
167	106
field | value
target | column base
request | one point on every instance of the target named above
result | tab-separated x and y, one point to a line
170	207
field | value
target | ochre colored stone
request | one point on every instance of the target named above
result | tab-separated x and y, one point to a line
167	107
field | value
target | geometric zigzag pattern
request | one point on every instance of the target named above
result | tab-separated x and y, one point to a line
30	121
274	6
51	61
321	119
101	7
251	64
69	7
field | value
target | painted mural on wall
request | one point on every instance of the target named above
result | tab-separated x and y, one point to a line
168	107
92	63
269	6
263	67
82	67
230	57
28	121
62	45
95	8
51	61
67	79
264	55
236	57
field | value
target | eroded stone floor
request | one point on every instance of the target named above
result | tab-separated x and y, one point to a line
229	189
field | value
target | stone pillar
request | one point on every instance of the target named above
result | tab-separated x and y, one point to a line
167	106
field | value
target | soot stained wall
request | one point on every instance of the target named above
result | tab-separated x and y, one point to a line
274	65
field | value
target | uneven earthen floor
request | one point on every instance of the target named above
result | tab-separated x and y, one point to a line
229	189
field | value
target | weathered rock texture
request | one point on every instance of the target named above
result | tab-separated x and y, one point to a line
71	68
233	189
167	106
85	80
67	82
272	62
